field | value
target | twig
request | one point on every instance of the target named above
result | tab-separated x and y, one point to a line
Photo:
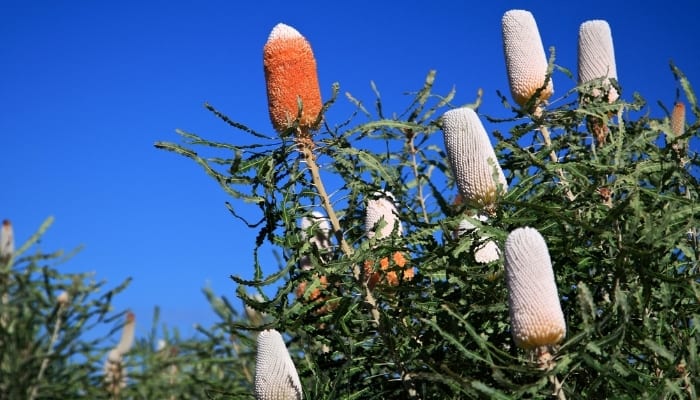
553	155
412	148
45	361
306	149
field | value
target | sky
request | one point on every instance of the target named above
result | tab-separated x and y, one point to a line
87	88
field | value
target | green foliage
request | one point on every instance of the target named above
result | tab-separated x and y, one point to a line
44	349
620	219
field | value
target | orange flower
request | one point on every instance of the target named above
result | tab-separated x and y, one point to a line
392	277
290	75
315	295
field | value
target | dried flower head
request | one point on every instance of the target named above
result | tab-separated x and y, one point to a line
275	374
535	313
7	241
678	119
472	159
526	61
290	76
596	56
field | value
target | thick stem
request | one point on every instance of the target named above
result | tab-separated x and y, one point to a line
414	164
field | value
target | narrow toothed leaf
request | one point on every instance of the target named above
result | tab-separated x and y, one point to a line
291	76
472	158
526	61
535	312
275	374
596	55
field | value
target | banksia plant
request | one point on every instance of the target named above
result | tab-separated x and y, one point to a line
380	221
537	320
275	374
472	159
596	57
526	61
291	79
115	375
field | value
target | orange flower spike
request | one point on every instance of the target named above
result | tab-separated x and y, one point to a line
290	75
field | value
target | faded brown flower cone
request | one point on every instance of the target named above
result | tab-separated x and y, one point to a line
678	119
291	76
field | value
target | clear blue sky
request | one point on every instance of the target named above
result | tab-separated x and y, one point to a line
87	87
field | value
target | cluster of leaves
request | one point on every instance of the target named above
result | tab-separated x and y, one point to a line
57	328
620	219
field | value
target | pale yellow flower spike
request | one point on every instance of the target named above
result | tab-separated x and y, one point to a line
290	76
596	56
526	61
275	374
535	312
472	158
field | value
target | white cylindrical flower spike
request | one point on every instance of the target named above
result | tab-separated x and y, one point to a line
473	161
127	338
535	312
488	250
596	56
321	236
275	375
7	240
378	208
526	61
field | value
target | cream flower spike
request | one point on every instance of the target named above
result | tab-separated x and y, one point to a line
472	158
596	55
275	375
322	237
381	207
127	338
290	75
535	312
487	251
526	61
